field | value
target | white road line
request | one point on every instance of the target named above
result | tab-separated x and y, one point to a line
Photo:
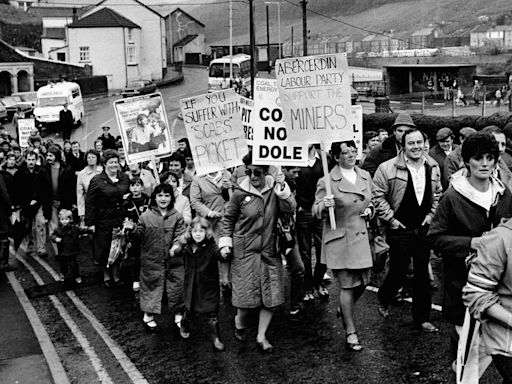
103	375
186	93
50	354
131	370
435	307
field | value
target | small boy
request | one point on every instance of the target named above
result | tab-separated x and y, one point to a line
66	237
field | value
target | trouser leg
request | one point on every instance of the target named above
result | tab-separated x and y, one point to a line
421	298
304	240
296	268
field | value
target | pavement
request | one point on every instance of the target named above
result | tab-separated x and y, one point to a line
21	357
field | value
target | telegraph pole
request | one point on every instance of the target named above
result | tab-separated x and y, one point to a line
252	43
268	44
303	3
230	43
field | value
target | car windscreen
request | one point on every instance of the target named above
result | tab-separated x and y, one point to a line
55	101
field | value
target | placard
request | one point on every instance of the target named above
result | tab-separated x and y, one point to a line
271	145
315	97
246	114
357	129
25	126
143	127
214	130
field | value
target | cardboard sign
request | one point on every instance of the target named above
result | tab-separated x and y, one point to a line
246	113
143	127
315	96
214	130
24	128
271	145
357	129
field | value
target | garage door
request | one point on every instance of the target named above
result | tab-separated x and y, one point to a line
192	58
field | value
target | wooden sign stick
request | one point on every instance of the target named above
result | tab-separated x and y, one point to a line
328	191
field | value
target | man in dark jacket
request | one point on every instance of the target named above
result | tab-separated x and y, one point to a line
390	146
58	187
444	147
76	158
66	121
109	141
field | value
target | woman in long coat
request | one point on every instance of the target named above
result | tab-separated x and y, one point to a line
346	250
248	228
103	210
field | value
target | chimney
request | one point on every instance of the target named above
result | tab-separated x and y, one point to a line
75	16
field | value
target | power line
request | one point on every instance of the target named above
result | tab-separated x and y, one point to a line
132	4
354	26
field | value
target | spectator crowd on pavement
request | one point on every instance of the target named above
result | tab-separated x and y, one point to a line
235	232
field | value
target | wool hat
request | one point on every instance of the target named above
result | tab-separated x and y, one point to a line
443	134
403	119
467	131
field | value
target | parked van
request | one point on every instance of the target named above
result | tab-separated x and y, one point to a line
50	101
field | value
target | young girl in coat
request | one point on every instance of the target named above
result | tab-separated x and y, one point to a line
200	258
158	230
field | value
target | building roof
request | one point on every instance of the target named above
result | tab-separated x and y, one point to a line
187	39
188	14
46	12
135	1
54	33
480	29
104	18
423	32
501	28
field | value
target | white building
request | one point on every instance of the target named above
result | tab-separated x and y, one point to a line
118	56
122	39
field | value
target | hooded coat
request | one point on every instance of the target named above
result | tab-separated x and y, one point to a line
249	227
159	271
459	218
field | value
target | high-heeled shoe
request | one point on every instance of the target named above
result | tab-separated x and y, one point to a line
151	326
353	346
264	346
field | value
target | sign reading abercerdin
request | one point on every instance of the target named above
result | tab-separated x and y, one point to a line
315	97
214	130
271	145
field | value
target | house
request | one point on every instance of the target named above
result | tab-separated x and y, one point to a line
23	4
422	38
186	38
55	20
485	35
136	47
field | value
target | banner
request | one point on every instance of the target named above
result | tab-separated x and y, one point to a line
214	130
271	145
24	128
143	127
246	108
357	129
315	97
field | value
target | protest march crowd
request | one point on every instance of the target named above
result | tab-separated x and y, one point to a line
239	231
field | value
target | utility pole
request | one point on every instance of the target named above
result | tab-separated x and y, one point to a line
292	41
268	45
303	3
252	43
230	43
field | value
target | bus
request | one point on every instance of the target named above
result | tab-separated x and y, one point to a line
218	75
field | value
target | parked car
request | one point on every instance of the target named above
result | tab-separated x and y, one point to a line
12	103
353	95
28	98
139	87
3	113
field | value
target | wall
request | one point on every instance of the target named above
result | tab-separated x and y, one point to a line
107	56
24	35
152	56
47	44
56	22
178	25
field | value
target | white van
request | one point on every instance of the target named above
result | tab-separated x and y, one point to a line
52	97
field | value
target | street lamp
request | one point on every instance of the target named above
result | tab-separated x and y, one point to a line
278	23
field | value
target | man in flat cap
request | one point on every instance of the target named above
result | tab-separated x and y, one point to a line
390	146
443	148
453	161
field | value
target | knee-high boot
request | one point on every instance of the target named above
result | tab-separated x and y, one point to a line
215	333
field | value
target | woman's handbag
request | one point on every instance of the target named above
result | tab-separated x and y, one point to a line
378	246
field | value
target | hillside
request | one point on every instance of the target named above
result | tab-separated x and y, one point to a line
457	16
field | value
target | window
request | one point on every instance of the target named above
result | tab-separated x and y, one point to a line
61	56
75	93
130	35
131	54
84	54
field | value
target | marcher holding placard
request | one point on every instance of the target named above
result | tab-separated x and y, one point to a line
346	250
248	233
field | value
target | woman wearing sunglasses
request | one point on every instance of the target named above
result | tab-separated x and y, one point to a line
248	234
346	249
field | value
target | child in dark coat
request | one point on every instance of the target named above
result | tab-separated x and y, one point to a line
68	246
201	284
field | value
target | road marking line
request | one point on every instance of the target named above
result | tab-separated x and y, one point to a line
186	93
130	369
435	307
103	375
50	353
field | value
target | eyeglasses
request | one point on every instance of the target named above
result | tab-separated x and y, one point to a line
256	172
